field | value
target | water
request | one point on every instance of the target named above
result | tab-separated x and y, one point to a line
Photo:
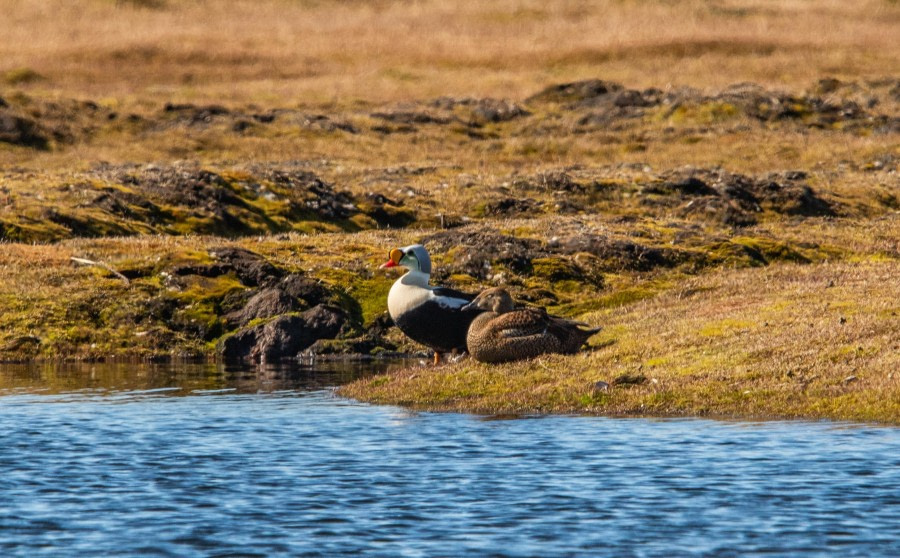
200	461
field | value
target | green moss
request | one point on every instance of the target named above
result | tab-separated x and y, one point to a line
18	76
771	250
620	297
210	288
32	232
463	279
555	269
735	254
713	112
371	295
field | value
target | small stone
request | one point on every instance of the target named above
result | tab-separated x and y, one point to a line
629	379
849	379
601	386
843	320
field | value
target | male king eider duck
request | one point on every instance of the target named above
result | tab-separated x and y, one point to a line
502	332
432	316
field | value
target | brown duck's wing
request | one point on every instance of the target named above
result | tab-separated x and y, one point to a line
520	323
565	323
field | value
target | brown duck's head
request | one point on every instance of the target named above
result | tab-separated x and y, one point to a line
496	300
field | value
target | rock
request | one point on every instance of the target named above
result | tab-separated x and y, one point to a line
201	270
21	131
493	110
690	186
324	321
21	342
196	114
301	287
632	98
318	195
387	212
281	338
482	111
512	206
629	379
284	337
266	303
251	268
600	387
578	92
410	117
734	199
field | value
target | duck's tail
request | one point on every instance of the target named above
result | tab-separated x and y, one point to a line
573	334
585	332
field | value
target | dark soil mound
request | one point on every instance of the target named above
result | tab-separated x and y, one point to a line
251	268
477	112
512	206
475	253
313	193
21	131
579	92
736	199
617	255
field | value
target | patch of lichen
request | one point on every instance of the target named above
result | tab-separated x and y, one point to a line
710	112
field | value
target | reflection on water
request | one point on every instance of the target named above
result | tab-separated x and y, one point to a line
183	378
240	464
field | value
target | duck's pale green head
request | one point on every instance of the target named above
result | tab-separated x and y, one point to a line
413	258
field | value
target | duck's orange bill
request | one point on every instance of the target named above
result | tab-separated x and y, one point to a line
394	260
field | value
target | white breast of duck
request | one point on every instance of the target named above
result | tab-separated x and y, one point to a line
412	291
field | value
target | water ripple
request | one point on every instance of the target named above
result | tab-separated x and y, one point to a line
218	472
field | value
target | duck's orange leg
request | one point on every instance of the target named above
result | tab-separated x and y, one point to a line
437	358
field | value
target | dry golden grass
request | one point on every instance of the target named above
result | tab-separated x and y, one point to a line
279	51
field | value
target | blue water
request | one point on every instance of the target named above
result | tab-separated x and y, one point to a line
206	462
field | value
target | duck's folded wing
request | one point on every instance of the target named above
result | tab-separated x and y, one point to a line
451	297
520	323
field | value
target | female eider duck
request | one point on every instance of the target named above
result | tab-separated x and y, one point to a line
432	316
502	332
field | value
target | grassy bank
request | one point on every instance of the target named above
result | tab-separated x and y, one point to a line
788	341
